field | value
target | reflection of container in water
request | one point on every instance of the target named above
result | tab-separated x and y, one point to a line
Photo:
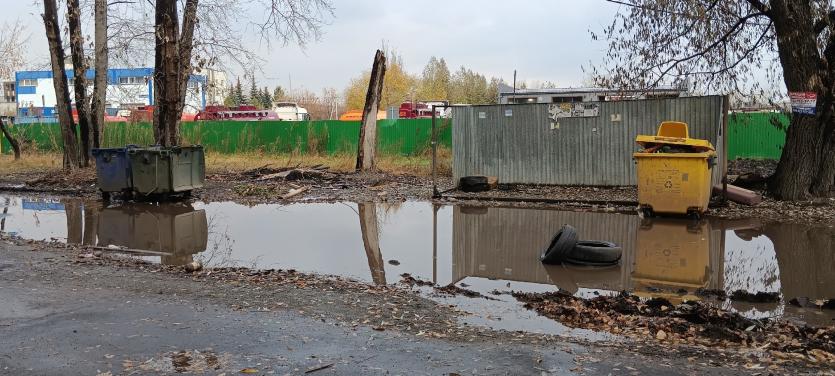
675	254
176	229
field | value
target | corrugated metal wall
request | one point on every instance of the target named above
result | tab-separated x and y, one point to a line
520	146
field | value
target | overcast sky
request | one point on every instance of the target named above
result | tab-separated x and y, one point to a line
542	39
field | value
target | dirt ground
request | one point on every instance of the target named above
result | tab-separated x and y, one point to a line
393	315
74	310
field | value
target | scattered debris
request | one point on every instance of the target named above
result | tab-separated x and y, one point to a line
193	266
693	323
294	192
319	368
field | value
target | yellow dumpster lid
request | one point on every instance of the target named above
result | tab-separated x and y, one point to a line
674	133
647	141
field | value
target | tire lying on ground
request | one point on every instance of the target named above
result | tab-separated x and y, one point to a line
594	253
560	246
474	184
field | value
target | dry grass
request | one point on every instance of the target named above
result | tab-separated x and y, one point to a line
417	165
35	162
215	162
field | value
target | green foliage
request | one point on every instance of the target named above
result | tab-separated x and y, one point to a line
434	83
470	87
239	93
279	94
255	97
266	98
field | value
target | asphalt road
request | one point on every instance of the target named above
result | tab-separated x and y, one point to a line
55	319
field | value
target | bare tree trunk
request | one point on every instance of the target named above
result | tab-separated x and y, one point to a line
12	140
824	182
59	82
797	167
368	129
798	52
79	64
186	48
166	67
100	81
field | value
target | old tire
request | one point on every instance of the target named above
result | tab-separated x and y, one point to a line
594	253
474	184
561	244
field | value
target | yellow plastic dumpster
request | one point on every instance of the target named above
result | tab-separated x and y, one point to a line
674	171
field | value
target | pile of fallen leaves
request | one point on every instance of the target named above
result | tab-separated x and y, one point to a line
689	323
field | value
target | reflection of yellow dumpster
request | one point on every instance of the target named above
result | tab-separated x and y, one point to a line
674	171
671	255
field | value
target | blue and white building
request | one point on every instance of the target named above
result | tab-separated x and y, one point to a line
127	89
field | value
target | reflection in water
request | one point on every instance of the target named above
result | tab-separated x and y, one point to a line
670	258
371	241
480	247
177	230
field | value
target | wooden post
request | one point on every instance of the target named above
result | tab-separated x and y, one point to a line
367	147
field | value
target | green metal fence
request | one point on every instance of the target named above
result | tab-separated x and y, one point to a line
395	137
756	135
759	135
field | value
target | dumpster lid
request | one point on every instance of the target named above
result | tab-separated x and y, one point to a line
698	145
674	133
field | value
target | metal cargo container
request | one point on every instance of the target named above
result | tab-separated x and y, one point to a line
589	143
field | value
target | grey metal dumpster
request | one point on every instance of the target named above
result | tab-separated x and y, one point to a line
162	171
113	169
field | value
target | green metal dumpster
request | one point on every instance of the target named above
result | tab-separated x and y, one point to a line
161	171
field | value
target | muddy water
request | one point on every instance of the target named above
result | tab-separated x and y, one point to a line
485	250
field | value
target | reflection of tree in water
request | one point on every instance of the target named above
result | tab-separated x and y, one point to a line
806	256
369	226
91	222
72	209
219	250
3	217
751	266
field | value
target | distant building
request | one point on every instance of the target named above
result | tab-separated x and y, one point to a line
127	89
217	87
583	94
8	106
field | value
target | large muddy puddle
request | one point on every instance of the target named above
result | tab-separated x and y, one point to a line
488	250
